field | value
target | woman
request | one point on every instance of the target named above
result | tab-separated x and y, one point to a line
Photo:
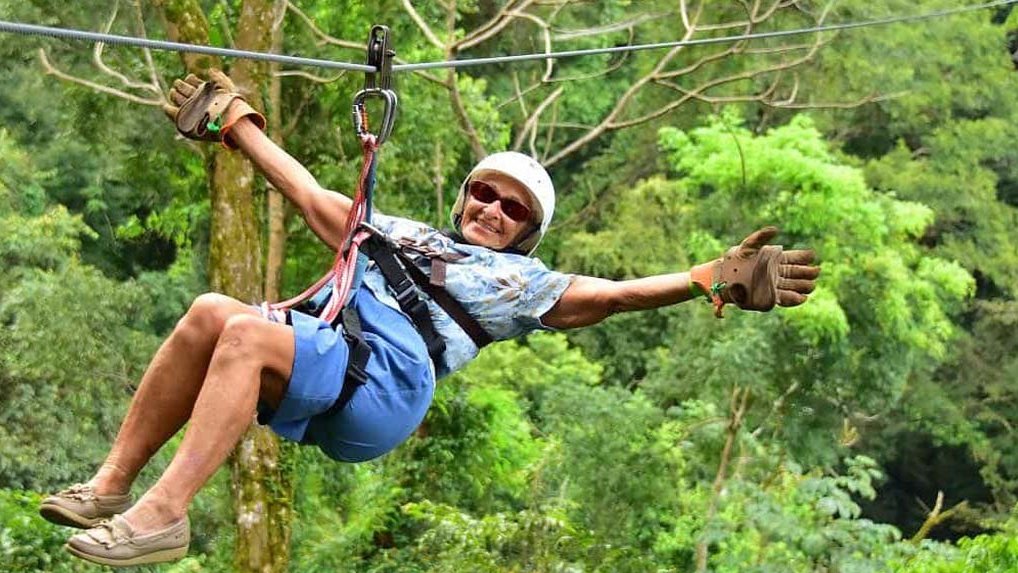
225	359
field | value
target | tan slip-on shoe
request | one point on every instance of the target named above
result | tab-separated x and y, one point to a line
115	543
79	506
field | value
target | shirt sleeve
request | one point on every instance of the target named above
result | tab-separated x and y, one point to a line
384	223
398	227
543	288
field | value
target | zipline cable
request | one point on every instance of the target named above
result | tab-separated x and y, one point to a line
699	41
99	38
96	37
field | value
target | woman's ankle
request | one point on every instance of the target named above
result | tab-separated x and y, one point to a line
154	511
111	480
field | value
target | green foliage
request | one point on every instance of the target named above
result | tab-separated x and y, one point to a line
476	444
342	508
803	522
882	314
947	145
996	552
596	461
529	540
598	450
20	185
43	241
29	544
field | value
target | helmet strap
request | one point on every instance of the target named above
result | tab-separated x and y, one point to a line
533	230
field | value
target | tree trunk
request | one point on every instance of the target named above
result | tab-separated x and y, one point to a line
277	208
262	499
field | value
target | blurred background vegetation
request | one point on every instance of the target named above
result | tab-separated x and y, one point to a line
872	429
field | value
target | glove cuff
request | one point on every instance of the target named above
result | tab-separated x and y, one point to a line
238	110
705	280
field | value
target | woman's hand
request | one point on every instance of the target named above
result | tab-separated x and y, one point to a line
757	276
207	110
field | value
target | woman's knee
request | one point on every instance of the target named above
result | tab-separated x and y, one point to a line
251	338
208	314
245	335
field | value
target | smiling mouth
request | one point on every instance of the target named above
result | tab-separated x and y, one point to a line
487	227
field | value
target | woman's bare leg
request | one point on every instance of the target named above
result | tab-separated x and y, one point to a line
168	390
253	358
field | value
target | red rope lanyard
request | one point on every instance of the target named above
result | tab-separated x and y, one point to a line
344	266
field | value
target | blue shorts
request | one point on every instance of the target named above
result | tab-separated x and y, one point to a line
383	412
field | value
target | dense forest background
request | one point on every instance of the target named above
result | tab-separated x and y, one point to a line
872	429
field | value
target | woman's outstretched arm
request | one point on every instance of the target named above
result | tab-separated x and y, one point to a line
752	275
589	300
324	211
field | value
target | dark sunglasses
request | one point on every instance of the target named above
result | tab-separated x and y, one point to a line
485	193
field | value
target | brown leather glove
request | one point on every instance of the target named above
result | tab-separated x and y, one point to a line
756	276
207	110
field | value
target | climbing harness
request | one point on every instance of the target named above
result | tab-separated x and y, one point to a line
363	242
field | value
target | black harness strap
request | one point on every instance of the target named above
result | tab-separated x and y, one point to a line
433	286
377	249
357	360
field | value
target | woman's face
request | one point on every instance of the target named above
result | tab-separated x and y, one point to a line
486	224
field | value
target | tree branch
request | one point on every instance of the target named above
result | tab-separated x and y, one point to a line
756	11
296	114
309	76
519	95
696	92
684	11
461	113
322	36
139	25
549	134
546	79
550	62
607	123
731	50
873	98
452	84
738	405
97	59
423	25
610	28
531	123
776	407
777	50
51	70
493	26
614	67
935	518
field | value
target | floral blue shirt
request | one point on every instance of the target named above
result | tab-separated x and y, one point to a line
506	293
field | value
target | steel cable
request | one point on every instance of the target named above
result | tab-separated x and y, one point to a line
96	37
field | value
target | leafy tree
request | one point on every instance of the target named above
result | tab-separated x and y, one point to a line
947	145
659	441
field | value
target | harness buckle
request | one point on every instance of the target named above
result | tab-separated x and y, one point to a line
408	295
356	372
373	230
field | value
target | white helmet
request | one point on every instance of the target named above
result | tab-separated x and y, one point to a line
529	173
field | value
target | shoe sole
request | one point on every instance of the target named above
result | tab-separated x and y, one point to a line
160	556
61	516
